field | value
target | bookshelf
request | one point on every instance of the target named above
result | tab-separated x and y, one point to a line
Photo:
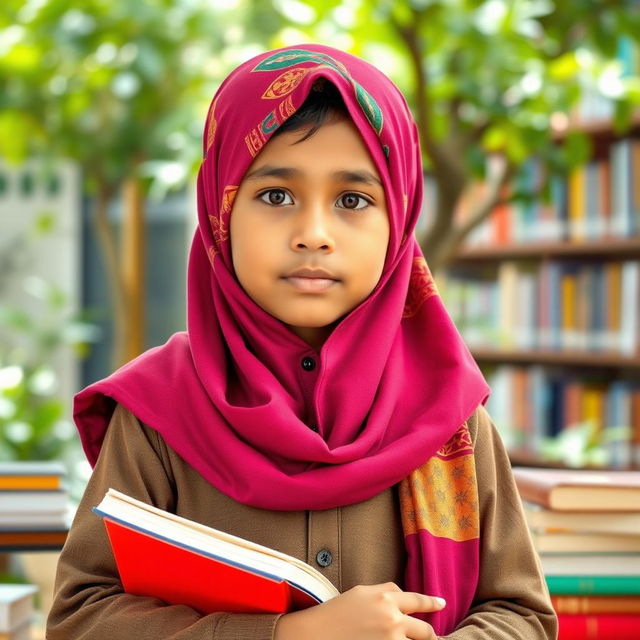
548	298
614	247
566	358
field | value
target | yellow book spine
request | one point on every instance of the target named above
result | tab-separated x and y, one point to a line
568	286
576	208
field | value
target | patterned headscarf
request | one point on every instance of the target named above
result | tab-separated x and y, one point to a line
392	386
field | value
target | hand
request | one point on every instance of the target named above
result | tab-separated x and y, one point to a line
374	612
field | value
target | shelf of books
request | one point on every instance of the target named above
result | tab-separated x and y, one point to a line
547	296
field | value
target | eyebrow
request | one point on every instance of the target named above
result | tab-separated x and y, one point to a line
362	176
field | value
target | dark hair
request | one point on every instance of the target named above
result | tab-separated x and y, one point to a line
324	103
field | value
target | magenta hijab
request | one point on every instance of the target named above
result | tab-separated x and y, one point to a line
236	394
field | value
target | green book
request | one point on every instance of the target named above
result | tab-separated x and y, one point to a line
593	585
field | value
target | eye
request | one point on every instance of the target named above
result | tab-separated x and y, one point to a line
275	197
353	201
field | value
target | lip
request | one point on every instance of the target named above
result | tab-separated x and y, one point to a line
310	280
308	272
311	285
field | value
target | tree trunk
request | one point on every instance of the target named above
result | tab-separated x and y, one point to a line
133	260
107	243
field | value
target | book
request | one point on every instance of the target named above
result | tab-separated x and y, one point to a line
579	490
32	540
591	564
163	555
596	604
34	501
620	585
548	520
598	627
16	605
28	475
578	542
47	520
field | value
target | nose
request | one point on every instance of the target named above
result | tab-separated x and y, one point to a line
312	229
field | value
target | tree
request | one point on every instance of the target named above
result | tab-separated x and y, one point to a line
486	77
122	89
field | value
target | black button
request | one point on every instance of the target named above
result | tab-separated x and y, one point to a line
308	364
324	558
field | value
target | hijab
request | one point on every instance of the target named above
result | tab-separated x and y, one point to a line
236	393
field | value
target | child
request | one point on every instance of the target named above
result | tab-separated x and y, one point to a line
321	401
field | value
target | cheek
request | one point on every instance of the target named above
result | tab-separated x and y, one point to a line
241	238
378	246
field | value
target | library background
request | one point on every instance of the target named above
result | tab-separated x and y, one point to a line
545	289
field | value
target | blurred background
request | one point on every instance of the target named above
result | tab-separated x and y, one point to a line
529	117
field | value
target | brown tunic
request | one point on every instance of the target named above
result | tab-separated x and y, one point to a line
365	539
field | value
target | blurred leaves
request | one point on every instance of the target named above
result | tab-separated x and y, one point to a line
33	424
110	85
583	445
500	77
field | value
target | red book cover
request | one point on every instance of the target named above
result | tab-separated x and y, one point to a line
162	555
599	627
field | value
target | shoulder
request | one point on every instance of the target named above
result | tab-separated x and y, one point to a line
122	417
480	425
126	428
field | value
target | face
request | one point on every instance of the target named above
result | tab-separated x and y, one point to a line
317	207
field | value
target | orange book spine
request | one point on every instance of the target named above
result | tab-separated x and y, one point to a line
501	218
596	604
572	404
25	483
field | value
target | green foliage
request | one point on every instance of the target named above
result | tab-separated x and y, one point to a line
33	422
581	445
496	71
113	85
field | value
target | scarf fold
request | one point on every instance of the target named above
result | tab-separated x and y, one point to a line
394	380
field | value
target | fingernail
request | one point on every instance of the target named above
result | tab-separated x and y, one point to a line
441	602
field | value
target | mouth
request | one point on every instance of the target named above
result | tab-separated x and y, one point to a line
310	285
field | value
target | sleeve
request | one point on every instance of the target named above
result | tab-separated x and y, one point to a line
512	600
89	602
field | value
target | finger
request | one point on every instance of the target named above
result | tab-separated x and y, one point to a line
411	602
418	630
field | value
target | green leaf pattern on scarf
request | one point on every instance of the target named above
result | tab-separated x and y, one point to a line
294	57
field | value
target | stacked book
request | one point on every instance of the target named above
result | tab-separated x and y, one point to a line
586	527
16	611
34	506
